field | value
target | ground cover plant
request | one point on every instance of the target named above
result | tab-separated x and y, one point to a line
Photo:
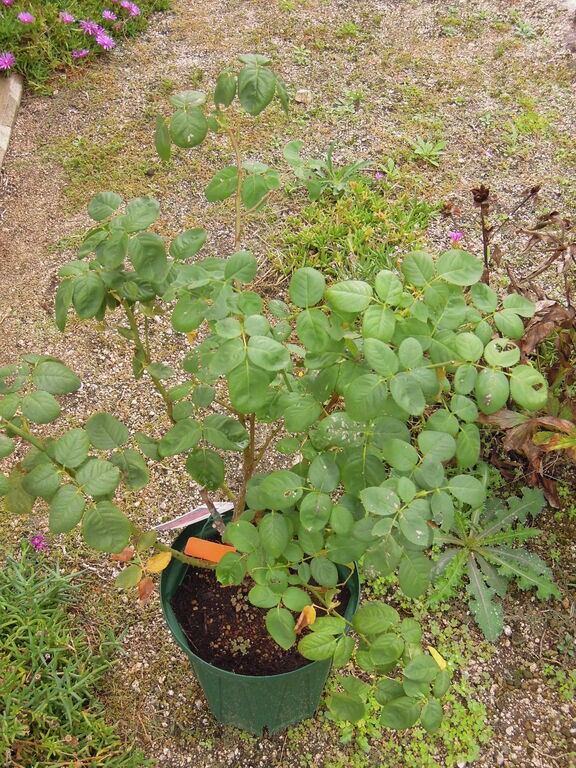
38	39
51	671
413	85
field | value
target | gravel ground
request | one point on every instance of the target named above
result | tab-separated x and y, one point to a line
473	66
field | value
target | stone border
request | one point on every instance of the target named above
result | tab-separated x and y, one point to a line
10	94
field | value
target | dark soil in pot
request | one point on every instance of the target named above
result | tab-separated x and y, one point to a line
225	630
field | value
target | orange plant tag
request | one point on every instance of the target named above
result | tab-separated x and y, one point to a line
207	550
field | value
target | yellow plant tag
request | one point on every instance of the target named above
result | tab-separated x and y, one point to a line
158	562
437	658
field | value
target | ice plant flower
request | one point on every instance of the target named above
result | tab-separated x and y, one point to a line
79	53
7	59
39	543
456	237
132	8
109	15
105	41
25	17
67	18
7	2
378	176
90	27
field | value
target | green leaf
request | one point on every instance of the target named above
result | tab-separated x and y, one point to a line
414	574
418	268
255	187
520	305
188	128
128	577
71	449
378	323
509	323
105	527
280	624
414	525
187	244
324	571
527	568
274	534
89	294
487	613
263	597
484	298
468	446
306	287
422	669
344	649
225	432
465	379
407	393
315	510
365	397
162	140
133	467
491	390
388	690
296	599
350	296
528	388
206	468
386	649
431	717
467	489
268	353
437	445
40	407
231	570
185	99
223	184
225	89
99	477
375	618
501	352
380	501
323	473
112	251
66	508
345	707
400	713
140	213
241	266
180	438
388	287
300	412
106	432
399	454
380	357
463	407
63	302
42	481
317	646
459	267
248	386
256	88
103	205
148	256
188	314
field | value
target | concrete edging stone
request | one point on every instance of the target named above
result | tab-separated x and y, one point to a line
11	88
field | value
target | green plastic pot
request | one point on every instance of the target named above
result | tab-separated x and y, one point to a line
249	702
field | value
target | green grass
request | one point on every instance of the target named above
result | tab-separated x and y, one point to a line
44	46
357	234
49	671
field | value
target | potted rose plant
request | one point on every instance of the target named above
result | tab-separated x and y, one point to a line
349	409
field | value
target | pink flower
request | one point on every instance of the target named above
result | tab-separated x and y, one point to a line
7	2
6	60
455	237
79	53
105	41
109	15
132	8
25	17
378	176
67	18
90	27
39	543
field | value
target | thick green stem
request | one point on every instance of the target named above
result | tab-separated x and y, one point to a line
249	465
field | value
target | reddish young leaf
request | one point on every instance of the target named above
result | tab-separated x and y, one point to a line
125	556
145	589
